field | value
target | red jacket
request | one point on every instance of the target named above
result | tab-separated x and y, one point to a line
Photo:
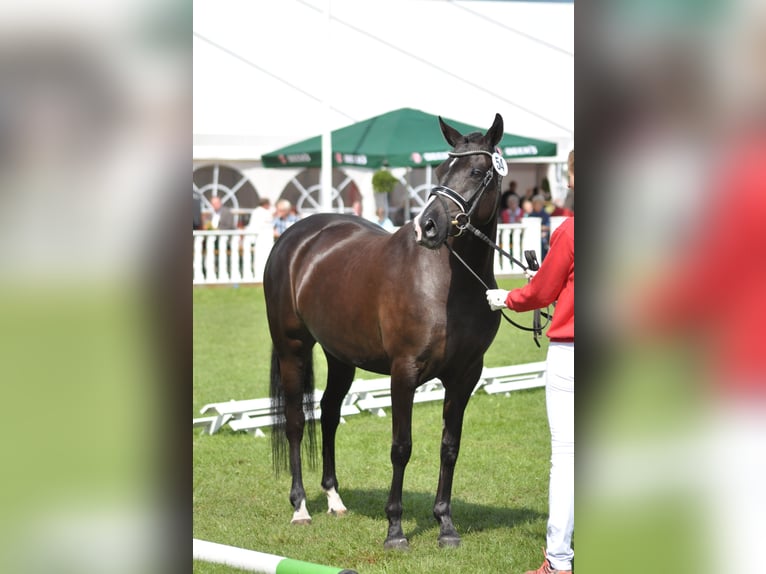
553	282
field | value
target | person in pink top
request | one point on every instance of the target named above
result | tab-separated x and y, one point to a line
554	282
512	213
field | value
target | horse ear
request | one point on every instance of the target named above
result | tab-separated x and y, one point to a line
450	134
495	133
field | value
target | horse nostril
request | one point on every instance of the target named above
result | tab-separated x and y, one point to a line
430	229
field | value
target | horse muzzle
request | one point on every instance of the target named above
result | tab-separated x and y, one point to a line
431	228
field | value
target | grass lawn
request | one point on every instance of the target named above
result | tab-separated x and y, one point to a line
500	492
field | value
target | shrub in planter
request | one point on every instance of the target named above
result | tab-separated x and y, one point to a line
383	181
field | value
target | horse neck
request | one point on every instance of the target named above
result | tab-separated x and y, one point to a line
475	251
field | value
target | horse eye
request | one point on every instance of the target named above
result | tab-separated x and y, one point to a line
476	172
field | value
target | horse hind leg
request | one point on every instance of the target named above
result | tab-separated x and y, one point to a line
339	378
292	399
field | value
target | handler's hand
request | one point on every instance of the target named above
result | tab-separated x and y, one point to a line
529	273
496	298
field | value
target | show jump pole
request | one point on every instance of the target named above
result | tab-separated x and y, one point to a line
253	561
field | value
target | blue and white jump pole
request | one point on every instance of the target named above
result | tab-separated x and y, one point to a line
257	561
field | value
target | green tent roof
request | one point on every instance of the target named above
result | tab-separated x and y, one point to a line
401	138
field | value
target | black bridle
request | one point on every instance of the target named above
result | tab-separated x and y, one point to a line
462	222
467	208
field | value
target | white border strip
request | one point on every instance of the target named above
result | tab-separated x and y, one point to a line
237	557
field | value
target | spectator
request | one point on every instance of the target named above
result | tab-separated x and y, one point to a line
221	217
545	191
526	207
510	191
197	212
284	217
538	210
512	213
261	217
382	219
530	193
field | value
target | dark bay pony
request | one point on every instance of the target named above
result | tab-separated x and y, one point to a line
399	304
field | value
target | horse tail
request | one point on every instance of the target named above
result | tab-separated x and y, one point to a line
279	422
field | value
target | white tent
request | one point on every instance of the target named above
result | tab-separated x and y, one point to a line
267	73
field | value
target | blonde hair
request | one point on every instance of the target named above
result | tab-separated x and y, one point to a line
570	162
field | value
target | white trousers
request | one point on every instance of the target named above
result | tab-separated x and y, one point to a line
559	398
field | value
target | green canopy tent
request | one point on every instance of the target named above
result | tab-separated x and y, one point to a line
400	138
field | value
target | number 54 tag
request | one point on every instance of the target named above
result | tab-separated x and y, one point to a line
498	162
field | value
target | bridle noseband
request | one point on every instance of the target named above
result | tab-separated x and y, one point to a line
467	208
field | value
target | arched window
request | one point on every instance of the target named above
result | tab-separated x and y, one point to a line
231	185
404	203
303	191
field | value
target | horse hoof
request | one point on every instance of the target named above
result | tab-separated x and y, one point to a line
338	512
396	544
449	541
301	521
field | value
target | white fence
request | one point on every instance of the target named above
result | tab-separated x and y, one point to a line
515	238
365	395
222	257
231	257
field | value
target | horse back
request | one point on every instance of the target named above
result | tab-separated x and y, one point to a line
364	294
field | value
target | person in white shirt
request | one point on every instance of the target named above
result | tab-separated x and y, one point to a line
221	217
262	217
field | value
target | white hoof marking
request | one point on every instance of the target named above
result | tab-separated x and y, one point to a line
301	516
334	503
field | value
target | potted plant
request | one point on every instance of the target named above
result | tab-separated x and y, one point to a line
383	181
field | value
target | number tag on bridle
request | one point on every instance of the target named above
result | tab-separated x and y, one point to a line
498	162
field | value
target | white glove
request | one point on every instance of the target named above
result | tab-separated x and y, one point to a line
496	298
529	273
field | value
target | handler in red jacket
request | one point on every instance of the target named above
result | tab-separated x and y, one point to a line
555	282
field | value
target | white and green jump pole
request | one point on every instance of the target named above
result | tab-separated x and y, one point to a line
257	561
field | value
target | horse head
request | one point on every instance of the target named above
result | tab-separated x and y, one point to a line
468	185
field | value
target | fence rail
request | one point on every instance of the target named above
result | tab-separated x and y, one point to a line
237	256
229	257
370	395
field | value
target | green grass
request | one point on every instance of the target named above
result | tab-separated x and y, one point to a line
500	491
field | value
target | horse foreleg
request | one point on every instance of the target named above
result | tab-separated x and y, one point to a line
339	378
401	448
454	409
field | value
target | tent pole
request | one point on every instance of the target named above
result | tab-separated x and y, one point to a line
326	172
